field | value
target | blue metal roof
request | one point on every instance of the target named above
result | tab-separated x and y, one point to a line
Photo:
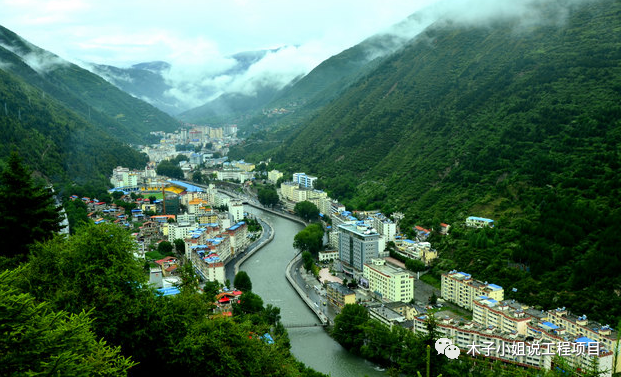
494	286
480	219
169	291
409	241
188	187
586	340
550	325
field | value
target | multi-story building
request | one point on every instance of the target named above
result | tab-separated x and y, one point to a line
208	264
357	246
238	234
339	295
420	250
384	226
273	176
328	255
304	180
236	210
461	289
389	283
536	350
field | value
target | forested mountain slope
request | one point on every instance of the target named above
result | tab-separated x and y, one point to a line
53	140
517	120
101	103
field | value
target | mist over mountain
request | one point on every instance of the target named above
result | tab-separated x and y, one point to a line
85	93
514	117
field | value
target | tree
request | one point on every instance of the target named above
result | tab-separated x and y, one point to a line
306	210
309	239
349	327
249	303
116	195
152	198
197	177
433	299
179	246
28	211
242	282
307	258
268	196
169	169
415	265
37	340
165	248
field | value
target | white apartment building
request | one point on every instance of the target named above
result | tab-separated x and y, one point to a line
304	180
236	210
461	289
273	176
390	283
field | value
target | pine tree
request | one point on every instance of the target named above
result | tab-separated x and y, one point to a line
28	212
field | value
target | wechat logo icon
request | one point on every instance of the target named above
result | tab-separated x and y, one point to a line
445	346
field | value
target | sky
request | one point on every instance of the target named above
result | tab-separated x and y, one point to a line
198	37
123	33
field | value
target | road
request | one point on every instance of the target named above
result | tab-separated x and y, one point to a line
230	265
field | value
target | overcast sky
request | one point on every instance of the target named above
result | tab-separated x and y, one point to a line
131	31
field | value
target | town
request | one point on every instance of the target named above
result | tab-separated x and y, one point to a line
366	258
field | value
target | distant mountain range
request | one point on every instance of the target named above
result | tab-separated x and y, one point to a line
511	119
68	123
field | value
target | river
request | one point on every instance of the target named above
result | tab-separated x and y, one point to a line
312	346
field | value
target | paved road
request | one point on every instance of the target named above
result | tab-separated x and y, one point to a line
230	265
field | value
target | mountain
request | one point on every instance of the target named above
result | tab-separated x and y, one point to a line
155	83
89	95
55	142
515	120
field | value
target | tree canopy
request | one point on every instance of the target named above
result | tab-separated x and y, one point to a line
306	210
242	281
309	239
268	196
29	211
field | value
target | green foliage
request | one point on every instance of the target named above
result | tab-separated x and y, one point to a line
415	265
349	327
87	95
169	169
38	341
309	239
55	141
242	282
306	210
519	125
268	196
94	272
179	246
307	259
165	248
29	212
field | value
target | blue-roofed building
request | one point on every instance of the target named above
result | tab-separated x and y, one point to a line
479	222
171	291
188	187
460	288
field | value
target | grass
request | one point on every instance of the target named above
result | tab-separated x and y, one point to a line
427	278
156	255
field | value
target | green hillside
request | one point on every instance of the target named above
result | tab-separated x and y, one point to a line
513	121
105	106
53	140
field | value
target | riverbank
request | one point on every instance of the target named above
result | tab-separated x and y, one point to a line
312	305
250	252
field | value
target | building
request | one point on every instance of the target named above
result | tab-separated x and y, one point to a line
236	209
273	176
386	315
304	180
479	222
208	265
328	255
357	246
339	295
390	283
461	289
